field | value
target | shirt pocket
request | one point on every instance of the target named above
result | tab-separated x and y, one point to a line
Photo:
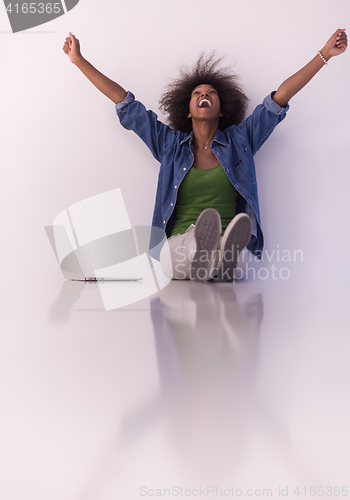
245	166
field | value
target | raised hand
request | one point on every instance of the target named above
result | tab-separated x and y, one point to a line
71	47
108	87
336	45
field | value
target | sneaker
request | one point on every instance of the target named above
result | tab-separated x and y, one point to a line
207	235
235	238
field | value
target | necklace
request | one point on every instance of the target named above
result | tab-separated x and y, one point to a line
205	147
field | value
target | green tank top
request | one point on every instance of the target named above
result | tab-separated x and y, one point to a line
203	189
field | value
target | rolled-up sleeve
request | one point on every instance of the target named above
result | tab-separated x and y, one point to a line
134	116
121	106
273	107
261	123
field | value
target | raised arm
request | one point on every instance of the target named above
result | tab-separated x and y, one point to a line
335	46
108	87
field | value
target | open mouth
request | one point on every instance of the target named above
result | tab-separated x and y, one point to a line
204	103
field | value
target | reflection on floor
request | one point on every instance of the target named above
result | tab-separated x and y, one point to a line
200	390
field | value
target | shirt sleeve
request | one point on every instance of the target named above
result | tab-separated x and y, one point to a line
134	116
261	123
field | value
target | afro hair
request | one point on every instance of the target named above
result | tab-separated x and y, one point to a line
176	99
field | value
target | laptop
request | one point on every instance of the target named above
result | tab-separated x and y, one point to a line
101	252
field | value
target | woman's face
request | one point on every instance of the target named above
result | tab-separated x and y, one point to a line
204	103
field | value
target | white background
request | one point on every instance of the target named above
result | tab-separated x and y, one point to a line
81	394
61	140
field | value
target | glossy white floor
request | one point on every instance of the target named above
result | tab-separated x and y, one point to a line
220	389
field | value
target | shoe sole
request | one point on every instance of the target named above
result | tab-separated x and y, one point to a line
207	235
237	239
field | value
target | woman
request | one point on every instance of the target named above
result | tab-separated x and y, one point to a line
207	172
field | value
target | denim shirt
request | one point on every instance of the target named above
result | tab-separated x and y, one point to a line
233	147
